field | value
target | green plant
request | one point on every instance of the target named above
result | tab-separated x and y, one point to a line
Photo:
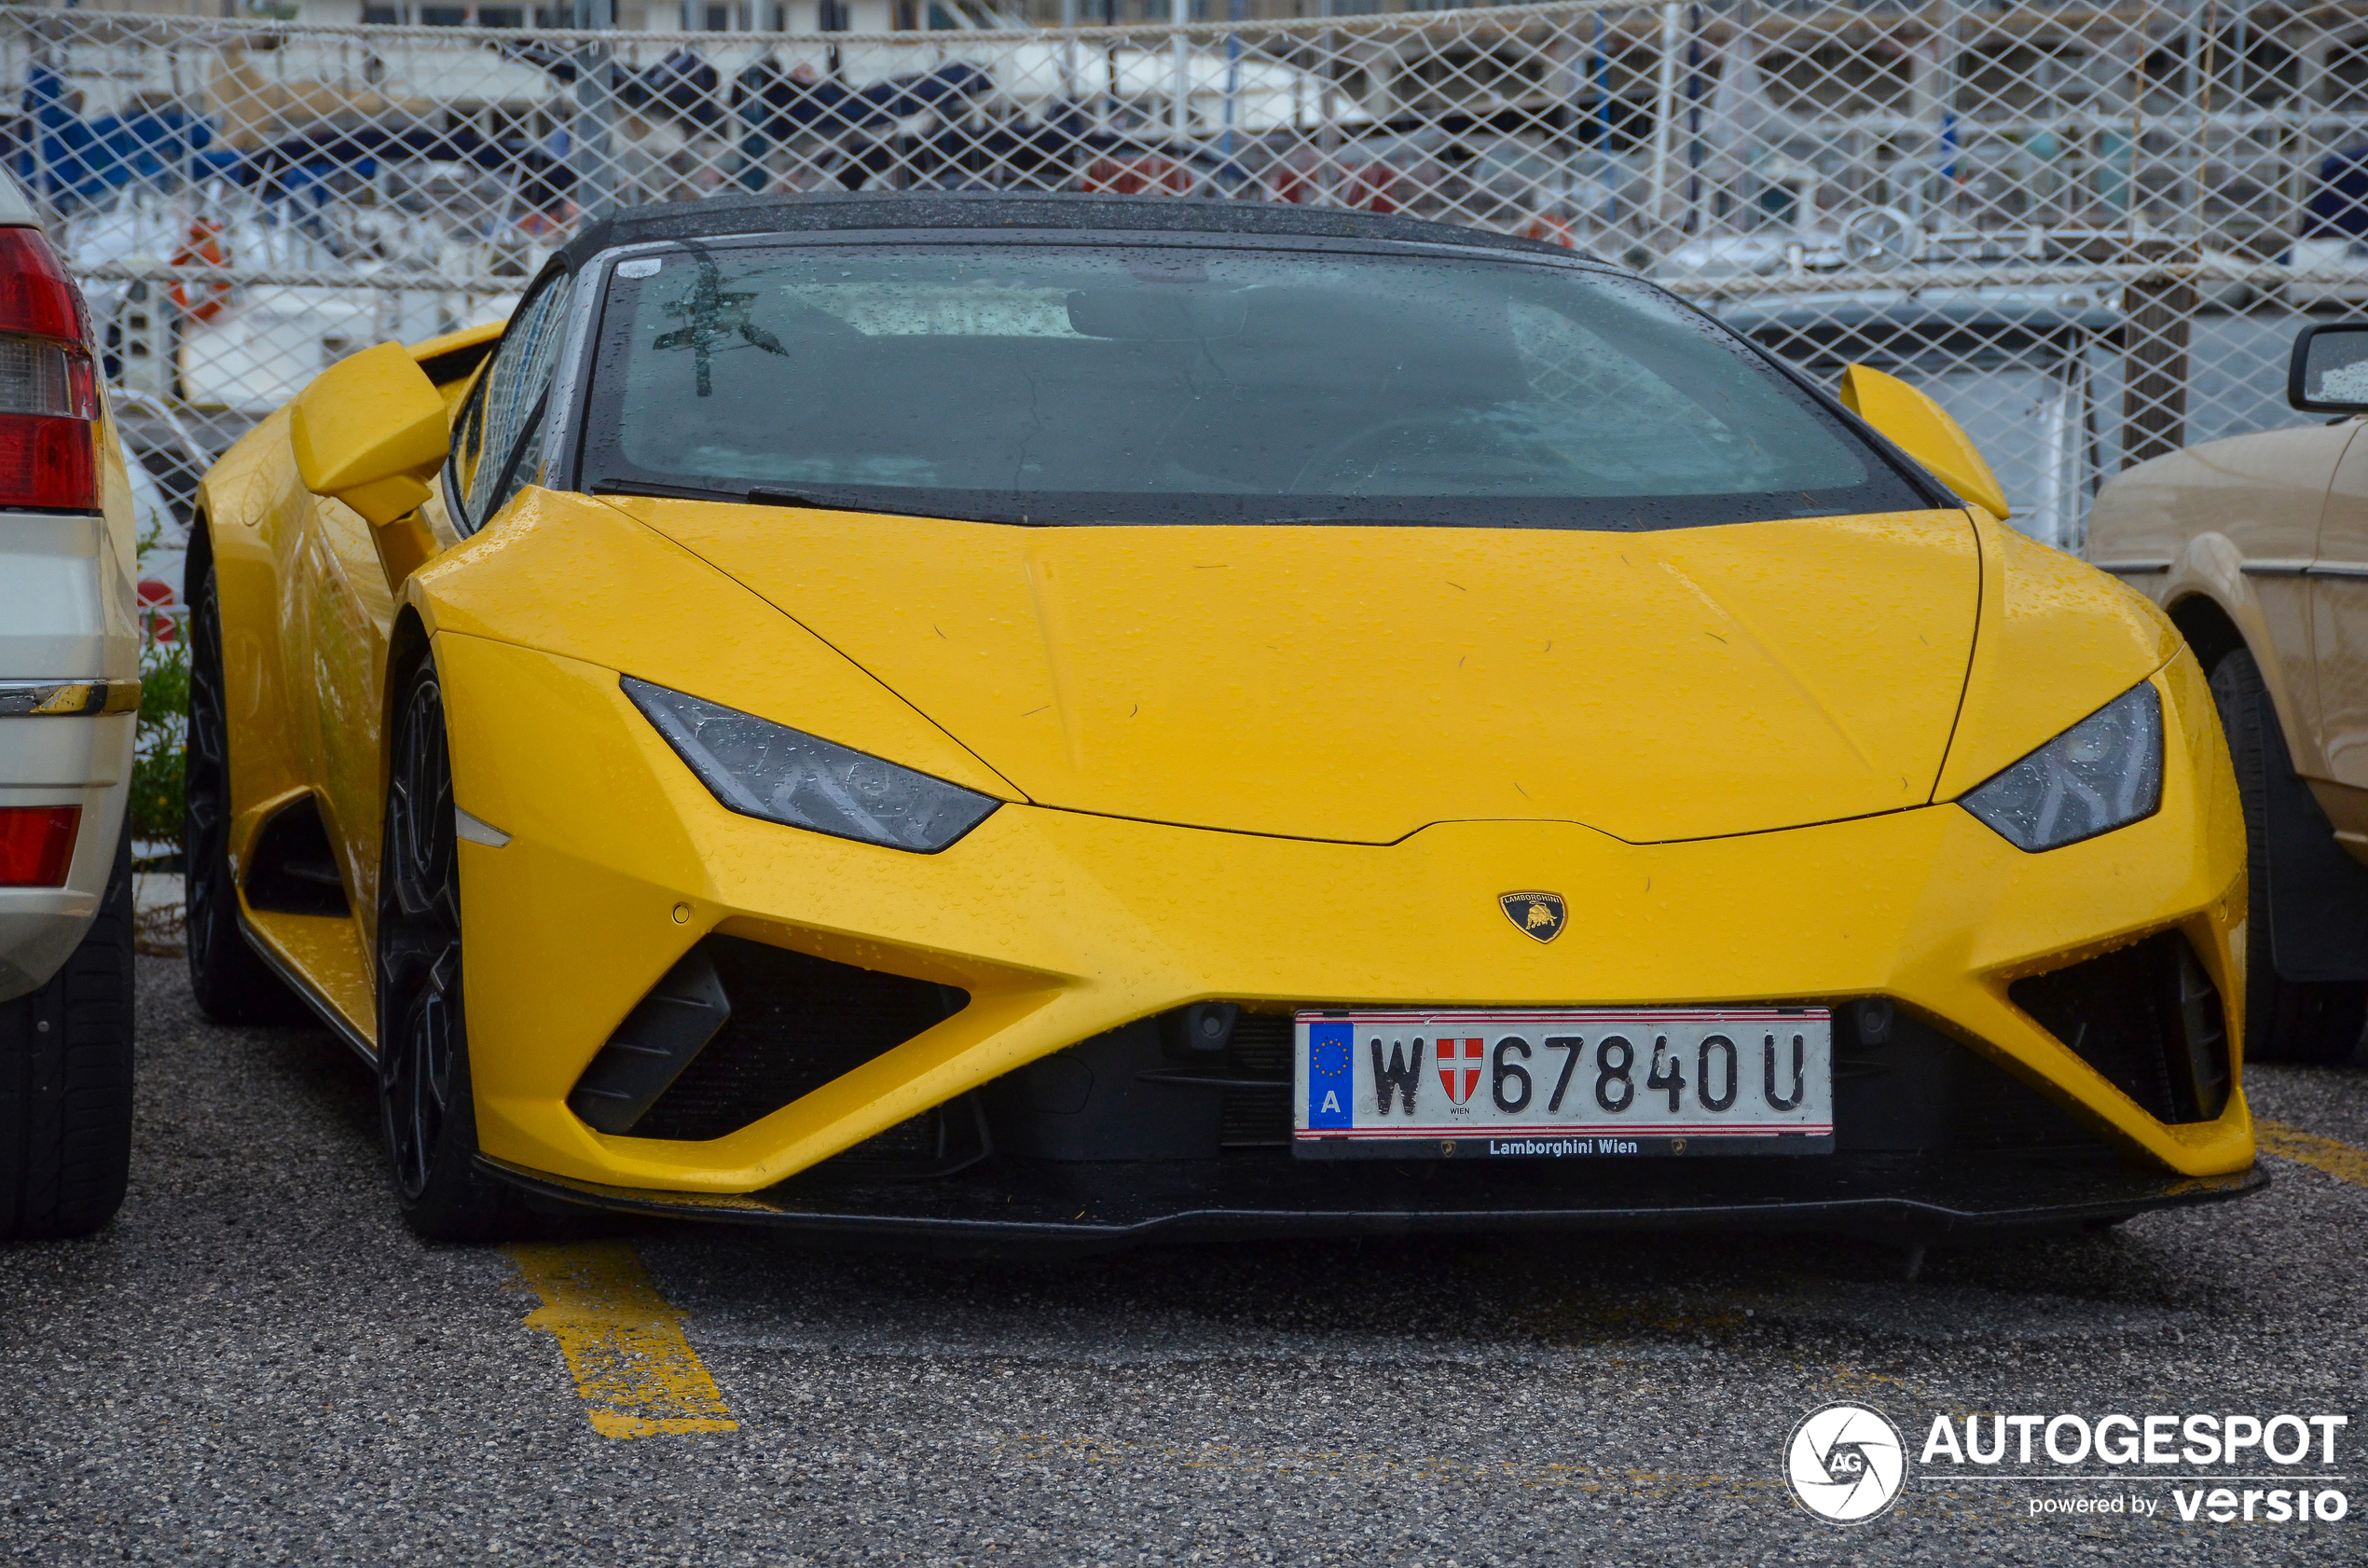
160	737
160	751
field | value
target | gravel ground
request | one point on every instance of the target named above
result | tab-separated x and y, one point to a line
256	1363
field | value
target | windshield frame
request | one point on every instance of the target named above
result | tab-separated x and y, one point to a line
573	405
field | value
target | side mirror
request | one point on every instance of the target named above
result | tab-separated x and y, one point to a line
2328	372
371	430
1922	429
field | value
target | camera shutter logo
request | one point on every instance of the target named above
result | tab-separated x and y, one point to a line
1846	1462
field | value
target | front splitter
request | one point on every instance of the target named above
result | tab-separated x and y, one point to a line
1010	1205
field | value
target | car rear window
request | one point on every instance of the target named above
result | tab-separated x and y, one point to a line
1147	384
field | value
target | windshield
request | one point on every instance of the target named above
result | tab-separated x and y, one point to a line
1146	384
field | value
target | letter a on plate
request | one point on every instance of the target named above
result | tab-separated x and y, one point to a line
1535	914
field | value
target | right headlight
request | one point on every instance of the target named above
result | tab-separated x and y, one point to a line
760	768
2105	772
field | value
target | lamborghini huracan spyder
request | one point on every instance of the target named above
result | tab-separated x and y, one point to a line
981	717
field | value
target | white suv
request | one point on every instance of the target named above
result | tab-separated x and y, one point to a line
69	696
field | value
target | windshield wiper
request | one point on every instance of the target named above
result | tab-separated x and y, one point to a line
663	492
755	495
773	495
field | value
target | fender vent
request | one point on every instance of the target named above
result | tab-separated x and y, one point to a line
2147	1017
291	870
796	1022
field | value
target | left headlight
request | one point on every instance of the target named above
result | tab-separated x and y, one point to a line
760	768
2105	772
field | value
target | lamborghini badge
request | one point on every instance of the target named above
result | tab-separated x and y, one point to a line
1537	914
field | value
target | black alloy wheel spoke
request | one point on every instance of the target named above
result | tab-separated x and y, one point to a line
420	943
206	776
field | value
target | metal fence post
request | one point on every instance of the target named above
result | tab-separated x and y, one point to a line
1179	15
1327	116
1664	118
2158	322
1068	50
590	149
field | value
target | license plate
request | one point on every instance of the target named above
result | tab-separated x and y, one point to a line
1562	1083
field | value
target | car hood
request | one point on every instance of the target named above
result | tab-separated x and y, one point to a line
1358	683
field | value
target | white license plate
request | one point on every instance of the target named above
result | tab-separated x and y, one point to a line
1577	1083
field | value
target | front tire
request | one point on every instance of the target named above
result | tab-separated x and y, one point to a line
2285	1020
231	984
65	1082
426	1107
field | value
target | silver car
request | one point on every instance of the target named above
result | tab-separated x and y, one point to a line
69	696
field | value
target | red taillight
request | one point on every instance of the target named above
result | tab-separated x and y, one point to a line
36	844
36	295
48	387
47	463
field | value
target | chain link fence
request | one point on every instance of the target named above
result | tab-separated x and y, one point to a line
2086	229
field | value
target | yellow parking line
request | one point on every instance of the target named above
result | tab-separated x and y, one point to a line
2338	1160
623	1344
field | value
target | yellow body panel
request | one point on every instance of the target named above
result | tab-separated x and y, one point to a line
572	575
307	612
2059	640
1358	683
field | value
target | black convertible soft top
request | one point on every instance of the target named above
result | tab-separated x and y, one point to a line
1011	209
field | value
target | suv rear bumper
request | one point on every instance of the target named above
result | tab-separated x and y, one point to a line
69	652
82	761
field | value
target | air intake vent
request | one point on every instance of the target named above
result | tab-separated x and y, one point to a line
2148	1018
292	869
797	1023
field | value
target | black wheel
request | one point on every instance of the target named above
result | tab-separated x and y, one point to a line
65	1082
424	1100
2285	1020
232	985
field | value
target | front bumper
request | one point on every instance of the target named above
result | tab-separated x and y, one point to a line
1097	1208
1062	925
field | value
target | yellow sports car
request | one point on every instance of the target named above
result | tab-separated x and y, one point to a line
1001	717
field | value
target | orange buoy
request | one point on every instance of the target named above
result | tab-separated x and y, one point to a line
1553	231
201	302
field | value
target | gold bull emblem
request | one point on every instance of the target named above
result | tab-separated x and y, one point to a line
1537	915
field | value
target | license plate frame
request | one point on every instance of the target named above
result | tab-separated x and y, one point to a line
1763	1048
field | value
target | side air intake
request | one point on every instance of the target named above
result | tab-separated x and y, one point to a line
664	1033
2148	1018
292	869
738	1029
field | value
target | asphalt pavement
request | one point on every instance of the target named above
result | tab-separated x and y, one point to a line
257	1363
